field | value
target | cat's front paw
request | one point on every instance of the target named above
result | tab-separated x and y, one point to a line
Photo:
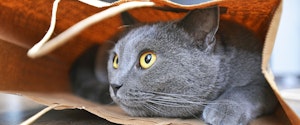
225	112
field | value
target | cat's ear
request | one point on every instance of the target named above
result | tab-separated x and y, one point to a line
202	25
127	19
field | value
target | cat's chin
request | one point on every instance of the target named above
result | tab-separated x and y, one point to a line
143	108
139	110
135	111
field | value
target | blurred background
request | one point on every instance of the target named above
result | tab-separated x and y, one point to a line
285	61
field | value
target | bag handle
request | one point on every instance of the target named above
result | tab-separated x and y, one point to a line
43	47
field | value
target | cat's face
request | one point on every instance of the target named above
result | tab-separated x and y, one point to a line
163	70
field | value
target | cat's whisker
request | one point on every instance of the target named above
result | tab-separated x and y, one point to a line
218	103
193	115
151	108
177	97
167	104
173	94
173	101
155	109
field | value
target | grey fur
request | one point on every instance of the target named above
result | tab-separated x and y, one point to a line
204	68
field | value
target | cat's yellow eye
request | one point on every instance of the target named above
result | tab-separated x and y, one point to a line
115	61
147	59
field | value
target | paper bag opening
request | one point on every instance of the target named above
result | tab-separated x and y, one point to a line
46	79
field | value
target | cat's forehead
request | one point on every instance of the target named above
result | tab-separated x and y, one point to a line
157	36
138	36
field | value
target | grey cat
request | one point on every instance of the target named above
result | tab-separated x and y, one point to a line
196	66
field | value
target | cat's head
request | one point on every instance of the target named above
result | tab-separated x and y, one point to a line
166	69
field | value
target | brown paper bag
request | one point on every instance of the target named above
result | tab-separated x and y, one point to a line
45	79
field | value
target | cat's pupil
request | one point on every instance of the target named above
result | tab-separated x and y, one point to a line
115	59
148	58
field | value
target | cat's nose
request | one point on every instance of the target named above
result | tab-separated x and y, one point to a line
115	87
